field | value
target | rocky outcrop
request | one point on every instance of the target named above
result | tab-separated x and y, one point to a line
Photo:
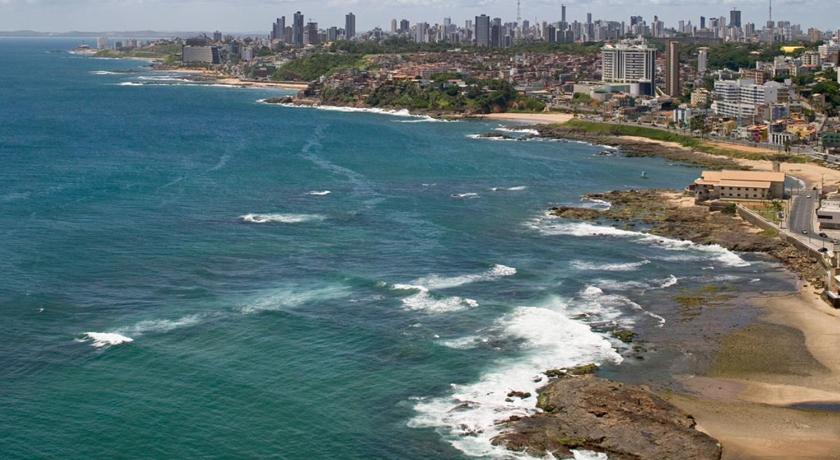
625	422
653	212
635	148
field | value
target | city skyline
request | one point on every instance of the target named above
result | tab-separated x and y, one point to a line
251	16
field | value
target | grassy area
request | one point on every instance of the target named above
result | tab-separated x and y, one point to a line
769	210
313	67
608	129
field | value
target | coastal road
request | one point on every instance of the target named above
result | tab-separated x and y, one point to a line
802	216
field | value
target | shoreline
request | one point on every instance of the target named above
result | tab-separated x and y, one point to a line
784	358
769	357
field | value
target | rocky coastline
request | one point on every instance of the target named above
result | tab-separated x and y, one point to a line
659	213
626	422
581	411
637	148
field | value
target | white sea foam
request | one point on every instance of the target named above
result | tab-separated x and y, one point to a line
130	83
287	298
106	339
533	132
427	119
468	417
463	343
552	227
604	308
165	78
423	300
517	188
319	193
671	281
589	455
280	218
598	204
124	335
625	267
440	282
465	196
161	325
104	72
490	138
394	113
613	285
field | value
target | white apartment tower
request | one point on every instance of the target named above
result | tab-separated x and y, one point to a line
629	63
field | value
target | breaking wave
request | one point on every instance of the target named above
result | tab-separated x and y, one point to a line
554	227
464	196
319	193
105	339
532	132
280	218
422	299
469	416
626	267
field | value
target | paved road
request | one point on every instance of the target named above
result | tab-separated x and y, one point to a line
803	209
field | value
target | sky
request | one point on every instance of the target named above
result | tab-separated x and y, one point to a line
257	15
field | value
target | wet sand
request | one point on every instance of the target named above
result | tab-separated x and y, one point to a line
791	355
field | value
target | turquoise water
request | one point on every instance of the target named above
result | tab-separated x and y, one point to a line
172	288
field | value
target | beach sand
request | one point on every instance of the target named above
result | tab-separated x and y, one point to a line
530	117
790	356
261	84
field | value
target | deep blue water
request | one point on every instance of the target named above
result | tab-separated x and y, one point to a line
334	328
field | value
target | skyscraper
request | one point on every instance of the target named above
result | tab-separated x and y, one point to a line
312	33
297	29
563	14
405	26
278	30
393	26
702	22
482	30
672	69
350	26
735	18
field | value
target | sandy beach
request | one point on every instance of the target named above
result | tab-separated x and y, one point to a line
261	84
788	357
530	117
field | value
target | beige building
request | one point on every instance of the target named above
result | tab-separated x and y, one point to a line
828	214
739	185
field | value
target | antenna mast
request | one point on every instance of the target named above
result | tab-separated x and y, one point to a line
518	11
771	10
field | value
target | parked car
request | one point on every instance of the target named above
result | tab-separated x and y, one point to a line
804	232
823	235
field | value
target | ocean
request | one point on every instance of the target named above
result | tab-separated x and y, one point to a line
189	272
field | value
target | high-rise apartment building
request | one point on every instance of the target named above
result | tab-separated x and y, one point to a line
630	63
311	37
297	29
349	26
278	29
672	69
702	60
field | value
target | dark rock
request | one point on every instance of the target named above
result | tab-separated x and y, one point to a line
625	335
625	422
519	394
